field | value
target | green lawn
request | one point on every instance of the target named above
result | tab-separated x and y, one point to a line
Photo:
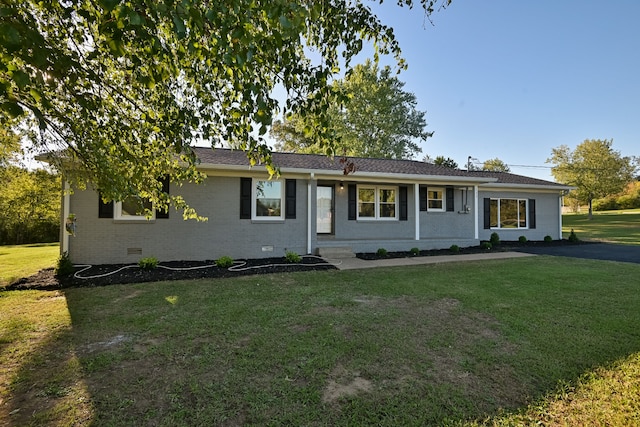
609	226
513	342
18	261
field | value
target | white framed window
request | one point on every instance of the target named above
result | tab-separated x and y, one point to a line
267	199
377	202
435	199
508	213
132	209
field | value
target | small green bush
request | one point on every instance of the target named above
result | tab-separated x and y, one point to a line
548	239
292	257
224	262
148	263
64	266
486	245
522	239
414	251
454	248
381	252
572	237
494	239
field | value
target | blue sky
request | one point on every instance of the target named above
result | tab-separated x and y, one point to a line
513	79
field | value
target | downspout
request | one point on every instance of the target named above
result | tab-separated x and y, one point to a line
66	203
311	177
416	207
476	209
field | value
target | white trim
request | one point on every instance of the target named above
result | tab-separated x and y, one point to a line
440	180
117	214
560	202
477	212
526	213
254	199
443	199
309	213
416	208
376	201
66	205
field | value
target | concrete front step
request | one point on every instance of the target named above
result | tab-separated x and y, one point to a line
338	252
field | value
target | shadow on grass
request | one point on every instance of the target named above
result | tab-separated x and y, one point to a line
273	349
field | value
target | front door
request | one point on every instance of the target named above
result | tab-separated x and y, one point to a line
324	210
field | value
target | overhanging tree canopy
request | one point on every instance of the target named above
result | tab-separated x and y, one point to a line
124	87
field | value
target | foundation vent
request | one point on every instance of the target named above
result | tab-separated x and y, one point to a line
134	251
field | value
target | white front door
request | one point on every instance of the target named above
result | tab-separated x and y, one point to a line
324	210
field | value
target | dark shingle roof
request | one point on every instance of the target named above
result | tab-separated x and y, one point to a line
318	162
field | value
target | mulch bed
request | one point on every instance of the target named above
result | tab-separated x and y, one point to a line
504	246
186	270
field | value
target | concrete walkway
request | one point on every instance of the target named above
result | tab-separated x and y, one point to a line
357	263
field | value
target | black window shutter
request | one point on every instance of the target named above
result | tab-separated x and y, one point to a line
245	198
423	198
450	203
404	208
532	213
105	210
352	201
290	198
487	213
164	214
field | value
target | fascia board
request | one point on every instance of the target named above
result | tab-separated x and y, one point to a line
355	177
525	187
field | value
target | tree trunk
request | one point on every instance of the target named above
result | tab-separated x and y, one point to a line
590	208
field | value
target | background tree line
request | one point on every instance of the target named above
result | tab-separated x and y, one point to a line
603	177
29	199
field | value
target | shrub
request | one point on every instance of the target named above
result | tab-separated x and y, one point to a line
522	239
224	262
292	257
414	251
486	245
381	252
148	263
548	239
64	267
494	239
572	237
454	248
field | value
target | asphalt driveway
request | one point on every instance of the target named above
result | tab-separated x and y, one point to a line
601	251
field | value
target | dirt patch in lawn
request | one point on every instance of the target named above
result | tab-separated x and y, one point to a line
449	345
343	383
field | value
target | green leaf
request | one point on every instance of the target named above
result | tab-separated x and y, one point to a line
179	26
135	18
21	78
109	4
36	95
12	108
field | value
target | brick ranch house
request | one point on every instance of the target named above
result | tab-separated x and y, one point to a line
313	207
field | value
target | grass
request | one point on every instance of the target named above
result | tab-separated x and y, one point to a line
18	261
524	341
608	226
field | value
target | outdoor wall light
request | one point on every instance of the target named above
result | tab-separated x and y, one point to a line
341	185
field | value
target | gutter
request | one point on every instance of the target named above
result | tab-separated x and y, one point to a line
357	176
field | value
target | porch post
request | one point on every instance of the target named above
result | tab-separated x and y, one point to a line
310	214
416	207
476	211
